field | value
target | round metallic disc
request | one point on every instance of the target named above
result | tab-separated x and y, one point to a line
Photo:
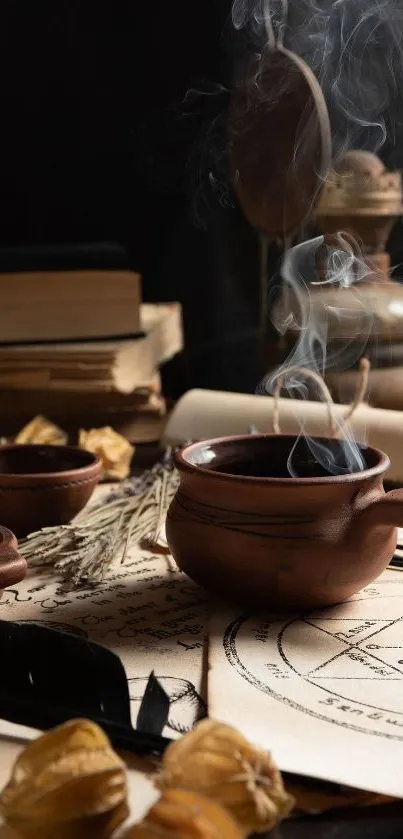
280	142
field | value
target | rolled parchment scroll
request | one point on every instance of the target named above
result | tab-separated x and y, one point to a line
201	414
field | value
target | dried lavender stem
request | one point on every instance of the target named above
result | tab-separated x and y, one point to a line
84	551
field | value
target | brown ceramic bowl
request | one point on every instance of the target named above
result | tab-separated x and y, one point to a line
243	528
42	486
12	566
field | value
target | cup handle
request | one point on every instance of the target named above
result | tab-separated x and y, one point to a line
387	509
13	566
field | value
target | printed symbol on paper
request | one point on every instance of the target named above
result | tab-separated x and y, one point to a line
359	650
343	665
186	706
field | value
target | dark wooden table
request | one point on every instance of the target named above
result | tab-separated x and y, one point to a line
379	822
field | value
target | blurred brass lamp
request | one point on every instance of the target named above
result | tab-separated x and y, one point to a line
363	200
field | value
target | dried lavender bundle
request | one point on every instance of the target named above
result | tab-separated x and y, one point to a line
85	551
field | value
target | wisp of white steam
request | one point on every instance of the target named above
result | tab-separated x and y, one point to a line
308	314
355	49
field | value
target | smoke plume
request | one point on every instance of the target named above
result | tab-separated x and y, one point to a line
305	268
355	49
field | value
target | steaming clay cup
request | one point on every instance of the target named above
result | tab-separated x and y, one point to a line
243	528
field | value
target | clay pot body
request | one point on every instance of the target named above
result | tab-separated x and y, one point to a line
13	567
41	486
242	528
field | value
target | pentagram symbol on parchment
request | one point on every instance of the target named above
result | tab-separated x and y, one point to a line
342	665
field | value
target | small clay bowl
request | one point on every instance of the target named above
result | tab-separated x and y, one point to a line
41	486
244	528
13	566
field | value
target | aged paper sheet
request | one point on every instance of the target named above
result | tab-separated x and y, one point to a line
323	691
147	612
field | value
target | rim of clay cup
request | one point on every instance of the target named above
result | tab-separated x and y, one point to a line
183	464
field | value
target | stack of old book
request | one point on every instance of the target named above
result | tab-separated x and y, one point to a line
80	348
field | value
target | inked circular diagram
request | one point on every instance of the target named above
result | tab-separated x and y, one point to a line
342	665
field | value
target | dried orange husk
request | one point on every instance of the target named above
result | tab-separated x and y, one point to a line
68	784
41	430
180	814
215	760
114	450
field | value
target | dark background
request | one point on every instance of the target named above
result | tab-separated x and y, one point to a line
94	144
102	138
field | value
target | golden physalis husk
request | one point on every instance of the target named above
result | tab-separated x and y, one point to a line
41	431
180	814
115	451
215	760
67	784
